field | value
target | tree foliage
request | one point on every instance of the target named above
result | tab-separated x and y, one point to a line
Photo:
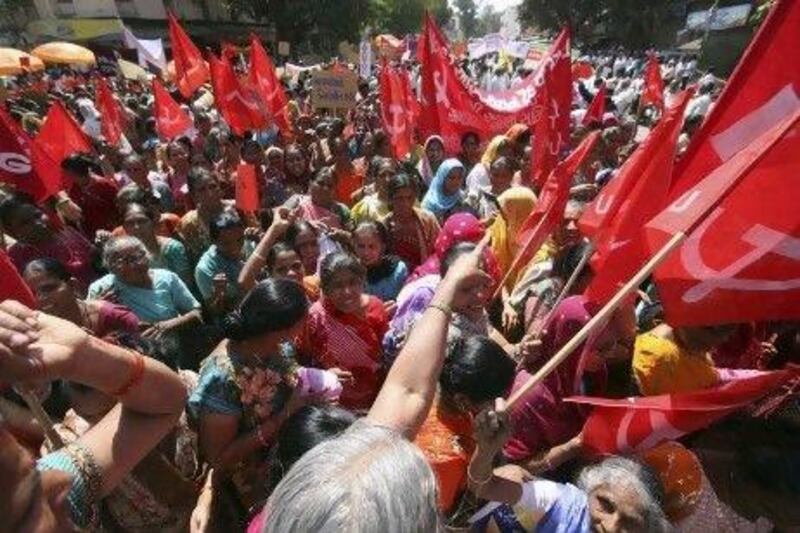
633	23
489	21
467	17
321	24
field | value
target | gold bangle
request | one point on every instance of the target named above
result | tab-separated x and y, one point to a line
444	308
476	482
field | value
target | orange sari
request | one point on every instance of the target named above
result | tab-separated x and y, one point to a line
446	441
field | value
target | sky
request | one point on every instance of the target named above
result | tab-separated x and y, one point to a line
498	5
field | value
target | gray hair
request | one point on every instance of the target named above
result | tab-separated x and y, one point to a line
621	472
116	244
368	479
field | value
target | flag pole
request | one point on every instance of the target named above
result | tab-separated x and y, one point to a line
41	415
565	289
599	319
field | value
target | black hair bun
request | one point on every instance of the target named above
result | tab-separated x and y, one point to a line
233	326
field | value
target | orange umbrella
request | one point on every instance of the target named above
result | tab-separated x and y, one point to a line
14	62
61	52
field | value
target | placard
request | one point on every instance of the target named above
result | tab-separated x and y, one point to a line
283	48
334	89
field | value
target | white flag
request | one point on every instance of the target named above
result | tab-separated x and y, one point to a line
149	50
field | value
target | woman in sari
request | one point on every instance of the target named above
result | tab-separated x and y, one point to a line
319	204
206	195
516	205
519	137
478	178
445	196
386	273
461	227
376	204
669	360
140	222
55	291
432	157
158	297
543	423
345	328
475	372
248	386
296	174
412	231
37	237
617	495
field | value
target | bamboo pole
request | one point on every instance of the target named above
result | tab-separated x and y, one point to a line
599	319
39	414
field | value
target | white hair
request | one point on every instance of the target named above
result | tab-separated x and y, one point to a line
622	473
116	244
368	479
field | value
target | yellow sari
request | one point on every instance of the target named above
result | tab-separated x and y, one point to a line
660	366
516	205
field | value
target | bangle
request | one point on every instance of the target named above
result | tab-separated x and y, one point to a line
444	308
135	376
475	481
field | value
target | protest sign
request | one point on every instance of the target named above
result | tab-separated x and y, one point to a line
334	90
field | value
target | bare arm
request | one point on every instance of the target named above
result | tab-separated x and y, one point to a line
36	347
407	394
247	277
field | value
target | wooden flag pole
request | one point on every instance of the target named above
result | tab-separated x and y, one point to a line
599	319
39	414
565	289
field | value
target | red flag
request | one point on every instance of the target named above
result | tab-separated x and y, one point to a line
266	83
229	52
59	137
597	108
638	424
741	260
16	167
763	89
653	92
171	120
111	114
620	248
191	71
552	103
12	287
240	107
549	209
451	105
246	188
397	120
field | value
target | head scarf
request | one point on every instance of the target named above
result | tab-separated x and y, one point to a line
490	154
424	165
436	201
461	227
516	205
516	131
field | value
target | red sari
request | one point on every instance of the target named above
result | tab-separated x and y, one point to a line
350	342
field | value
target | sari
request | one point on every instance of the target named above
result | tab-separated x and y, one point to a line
516	205
314	213
541	419
461	227
661	366
478	178
415	246
351	342
445	440
348	181
424	166
411	303
436	200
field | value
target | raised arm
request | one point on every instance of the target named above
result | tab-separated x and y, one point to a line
280	223
39	347
407	394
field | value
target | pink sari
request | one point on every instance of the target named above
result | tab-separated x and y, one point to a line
315	213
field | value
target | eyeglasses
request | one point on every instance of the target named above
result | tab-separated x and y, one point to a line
129	258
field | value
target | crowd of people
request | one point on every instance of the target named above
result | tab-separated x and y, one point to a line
335	361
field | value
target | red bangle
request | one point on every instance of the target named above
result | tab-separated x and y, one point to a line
136	374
